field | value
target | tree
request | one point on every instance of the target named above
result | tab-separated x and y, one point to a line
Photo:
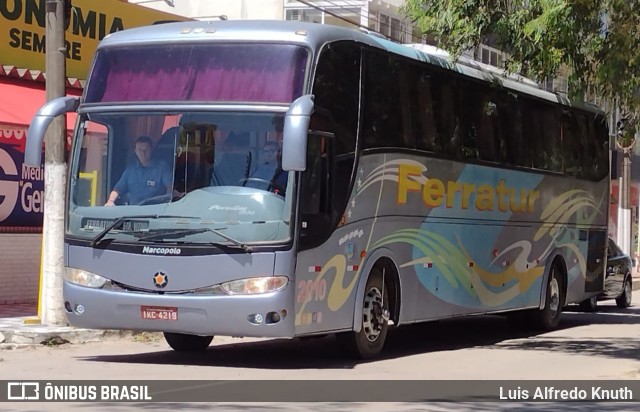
597	40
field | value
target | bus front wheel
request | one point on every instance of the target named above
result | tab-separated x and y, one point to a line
181	342
369	341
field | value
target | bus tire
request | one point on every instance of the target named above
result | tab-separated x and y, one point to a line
181	342
548	317
368	343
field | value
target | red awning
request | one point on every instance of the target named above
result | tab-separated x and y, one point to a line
19	102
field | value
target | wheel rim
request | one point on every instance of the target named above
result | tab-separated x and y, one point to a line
554	296
372	314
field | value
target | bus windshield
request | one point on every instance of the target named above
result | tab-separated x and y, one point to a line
201	177
264	73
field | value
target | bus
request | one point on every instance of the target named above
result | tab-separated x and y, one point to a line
415	188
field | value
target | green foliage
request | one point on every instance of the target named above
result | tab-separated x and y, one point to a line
597	40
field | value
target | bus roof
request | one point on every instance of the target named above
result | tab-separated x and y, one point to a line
315	36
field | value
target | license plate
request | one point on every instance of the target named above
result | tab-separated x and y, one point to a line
159	313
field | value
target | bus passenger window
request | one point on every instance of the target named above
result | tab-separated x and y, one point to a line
600	148
542	130
385	103
426	118
513	148
573	138
450	129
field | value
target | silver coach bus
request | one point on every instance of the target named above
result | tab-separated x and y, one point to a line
312	179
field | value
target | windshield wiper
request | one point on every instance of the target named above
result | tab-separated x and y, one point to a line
174	234
121	220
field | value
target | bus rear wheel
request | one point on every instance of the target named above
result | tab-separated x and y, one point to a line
181	342
369	341
548	317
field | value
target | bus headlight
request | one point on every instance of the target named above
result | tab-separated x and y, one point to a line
84	278
253	286
210	290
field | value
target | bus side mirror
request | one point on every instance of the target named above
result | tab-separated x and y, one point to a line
296	128
40	124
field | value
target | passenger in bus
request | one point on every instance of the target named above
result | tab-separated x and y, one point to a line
232	168
144	178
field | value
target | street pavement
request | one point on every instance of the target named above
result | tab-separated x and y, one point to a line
588	347
20	327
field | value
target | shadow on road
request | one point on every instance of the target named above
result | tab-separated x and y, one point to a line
488	332
619	348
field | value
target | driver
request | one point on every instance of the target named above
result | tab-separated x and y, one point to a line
143	179
267	169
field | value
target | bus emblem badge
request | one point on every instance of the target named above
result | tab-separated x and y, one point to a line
160	279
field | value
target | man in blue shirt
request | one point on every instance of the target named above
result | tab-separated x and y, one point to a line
267	169
143	179
269	175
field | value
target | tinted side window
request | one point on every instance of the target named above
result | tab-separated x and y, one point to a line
584	145
515	149
427	124
485	112
337	89
315	209
573	143
541	128
470	116
387	110
448	118
598	143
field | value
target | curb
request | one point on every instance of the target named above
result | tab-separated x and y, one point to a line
44	336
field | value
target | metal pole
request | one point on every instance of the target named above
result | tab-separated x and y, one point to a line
624	227
55	170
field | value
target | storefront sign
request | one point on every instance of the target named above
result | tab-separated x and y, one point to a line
22	30
21	186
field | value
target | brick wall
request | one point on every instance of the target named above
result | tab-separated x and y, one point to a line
19	267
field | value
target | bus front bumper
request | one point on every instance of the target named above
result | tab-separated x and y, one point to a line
265	315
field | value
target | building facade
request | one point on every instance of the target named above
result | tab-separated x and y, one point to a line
383	16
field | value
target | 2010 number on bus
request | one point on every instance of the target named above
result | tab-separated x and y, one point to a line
312	290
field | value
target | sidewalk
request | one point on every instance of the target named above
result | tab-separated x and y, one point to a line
20	328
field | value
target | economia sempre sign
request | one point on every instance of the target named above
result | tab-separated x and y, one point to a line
22	30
